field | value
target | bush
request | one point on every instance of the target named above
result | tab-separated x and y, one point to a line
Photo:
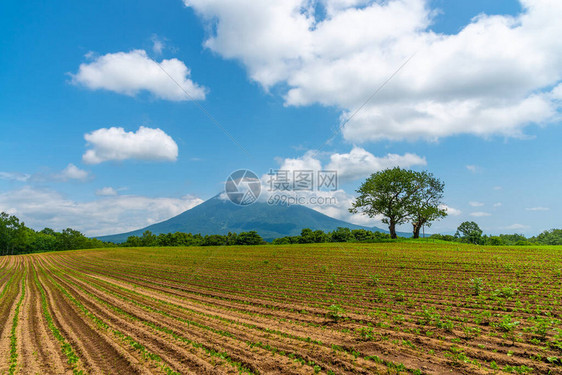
495	241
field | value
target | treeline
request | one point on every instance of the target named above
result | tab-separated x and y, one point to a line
253	238
470	232
339	235
188	239
16	238
502	239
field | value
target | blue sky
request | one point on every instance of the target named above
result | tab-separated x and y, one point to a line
478	104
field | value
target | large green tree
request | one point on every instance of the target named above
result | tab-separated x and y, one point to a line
426	204
14	235
389	193
469	232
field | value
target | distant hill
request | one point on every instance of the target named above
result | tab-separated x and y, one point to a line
218	216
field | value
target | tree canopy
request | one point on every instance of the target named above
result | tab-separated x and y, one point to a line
470	232
426	203
16	238
400	196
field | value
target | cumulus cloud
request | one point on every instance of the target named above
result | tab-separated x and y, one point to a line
132	72
72	172
539	208
360	163
309	161
497	204
40	208
450	210
106	191
480	214
497	75
116	144
476	204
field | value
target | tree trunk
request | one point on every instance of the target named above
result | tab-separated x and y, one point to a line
417	228
392	230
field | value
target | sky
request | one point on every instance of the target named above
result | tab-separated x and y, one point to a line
117	115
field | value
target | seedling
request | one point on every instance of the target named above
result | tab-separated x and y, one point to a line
336	312
477	285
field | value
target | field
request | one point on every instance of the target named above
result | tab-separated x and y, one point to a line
303	309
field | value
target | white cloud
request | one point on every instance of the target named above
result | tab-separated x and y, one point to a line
15	176
308	161
117	144
473	168
359	163
335	204
480	214
491	78
450	210
476	204
516	227
539	208
497	204
340	209
72	172
106	191
40	208
132	72
158	44
497	188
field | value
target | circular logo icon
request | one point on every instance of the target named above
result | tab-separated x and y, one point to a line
243	187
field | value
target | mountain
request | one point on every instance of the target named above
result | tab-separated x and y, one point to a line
218	216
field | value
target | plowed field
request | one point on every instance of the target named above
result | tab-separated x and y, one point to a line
300	309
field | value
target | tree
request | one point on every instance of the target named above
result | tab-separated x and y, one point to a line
388	193
14	235
282	241
214	240
341	234
495	241
426	204
132	241
307	236
514	239
320	237
148	239
470	232
549	237
249	238
16	238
